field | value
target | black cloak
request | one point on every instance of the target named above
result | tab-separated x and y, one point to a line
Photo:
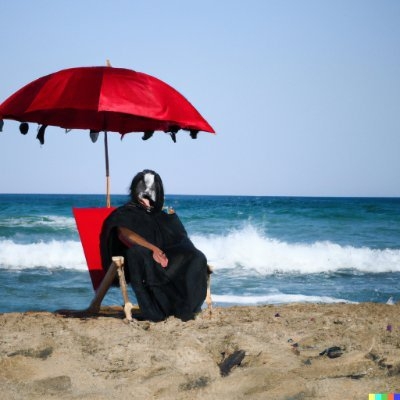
180	288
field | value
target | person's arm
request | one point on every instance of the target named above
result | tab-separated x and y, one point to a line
129	237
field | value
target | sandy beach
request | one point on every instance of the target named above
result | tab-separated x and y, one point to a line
297	351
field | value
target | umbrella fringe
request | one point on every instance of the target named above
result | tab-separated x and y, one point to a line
40	134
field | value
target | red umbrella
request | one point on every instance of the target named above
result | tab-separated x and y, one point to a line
103	99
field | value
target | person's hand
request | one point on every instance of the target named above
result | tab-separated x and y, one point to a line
160	257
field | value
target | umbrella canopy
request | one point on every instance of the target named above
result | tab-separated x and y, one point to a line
103	99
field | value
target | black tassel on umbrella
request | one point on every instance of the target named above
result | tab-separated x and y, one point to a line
40	134
24	128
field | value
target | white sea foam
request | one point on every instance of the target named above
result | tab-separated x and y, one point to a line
253	251
54	254
50	221
276	298
246	248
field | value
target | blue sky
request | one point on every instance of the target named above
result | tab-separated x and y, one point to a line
304	95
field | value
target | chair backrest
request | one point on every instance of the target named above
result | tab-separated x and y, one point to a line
89	222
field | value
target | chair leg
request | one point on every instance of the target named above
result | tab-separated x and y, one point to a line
103	288
101	291
208	296
116	267
128	306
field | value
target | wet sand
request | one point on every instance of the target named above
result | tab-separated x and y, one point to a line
291	352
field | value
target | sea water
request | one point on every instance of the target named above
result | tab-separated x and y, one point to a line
264	250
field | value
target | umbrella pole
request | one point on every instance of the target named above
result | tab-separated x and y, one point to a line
108	201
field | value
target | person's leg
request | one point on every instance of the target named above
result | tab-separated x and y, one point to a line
187	271
196	281
140	262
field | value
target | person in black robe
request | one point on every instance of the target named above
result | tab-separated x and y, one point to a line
167	272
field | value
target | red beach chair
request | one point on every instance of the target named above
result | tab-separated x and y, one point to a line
89	222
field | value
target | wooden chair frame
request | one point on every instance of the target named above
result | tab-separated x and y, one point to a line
89	222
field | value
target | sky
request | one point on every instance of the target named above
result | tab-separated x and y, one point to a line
304	96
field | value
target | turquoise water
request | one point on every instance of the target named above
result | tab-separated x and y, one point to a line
264	250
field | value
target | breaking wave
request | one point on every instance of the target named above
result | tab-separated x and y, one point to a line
245	250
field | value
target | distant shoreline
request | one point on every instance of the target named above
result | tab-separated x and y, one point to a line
213	195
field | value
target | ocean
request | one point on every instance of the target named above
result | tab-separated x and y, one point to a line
264	250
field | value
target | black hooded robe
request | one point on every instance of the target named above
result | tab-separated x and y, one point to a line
180	288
